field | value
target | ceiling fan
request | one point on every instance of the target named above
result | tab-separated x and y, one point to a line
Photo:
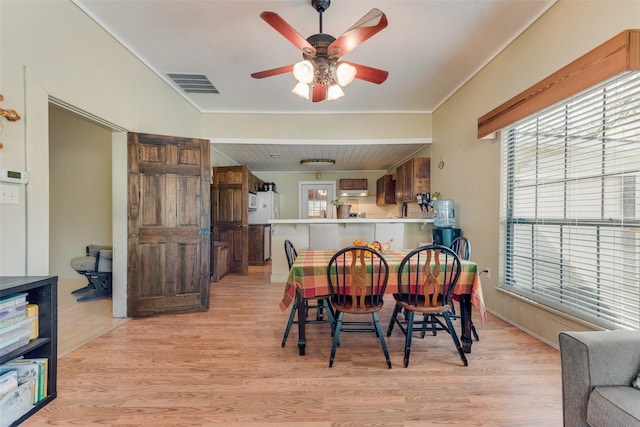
321	72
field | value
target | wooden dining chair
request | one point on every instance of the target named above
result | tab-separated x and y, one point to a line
357	277
462	247
320	304
427	277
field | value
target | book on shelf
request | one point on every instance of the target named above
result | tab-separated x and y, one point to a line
36	368
32	312
8	381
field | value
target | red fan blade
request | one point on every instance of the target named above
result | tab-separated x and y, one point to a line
281	26
272	72
370	74
319	92
370	24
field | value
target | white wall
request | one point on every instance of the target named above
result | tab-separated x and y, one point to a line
51	48
472	167
317	127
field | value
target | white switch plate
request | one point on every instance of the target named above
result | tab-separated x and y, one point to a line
9	194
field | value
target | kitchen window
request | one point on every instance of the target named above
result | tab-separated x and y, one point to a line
570	206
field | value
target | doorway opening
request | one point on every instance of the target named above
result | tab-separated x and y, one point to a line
80	214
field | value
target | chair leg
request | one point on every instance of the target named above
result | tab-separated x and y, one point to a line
294	308
473	331
407	341
336	337
376	322
456	341
330	318
396	310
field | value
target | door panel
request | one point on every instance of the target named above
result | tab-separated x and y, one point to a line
169	225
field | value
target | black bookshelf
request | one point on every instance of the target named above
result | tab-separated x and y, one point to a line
43	291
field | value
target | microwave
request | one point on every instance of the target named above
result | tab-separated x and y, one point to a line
253	201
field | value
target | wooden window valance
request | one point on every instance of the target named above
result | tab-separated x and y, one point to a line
619	54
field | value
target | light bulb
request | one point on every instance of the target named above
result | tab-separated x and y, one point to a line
303	72
302	90
334	92
345	73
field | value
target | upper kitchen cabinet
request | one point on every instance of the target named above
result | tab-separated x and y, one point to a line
412	177
255	183
385	190
353	184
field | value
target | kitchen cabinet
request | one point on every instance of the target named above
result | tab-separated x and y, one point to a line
255	183
412	177
220	260
259	243
353	184
42	291
385	190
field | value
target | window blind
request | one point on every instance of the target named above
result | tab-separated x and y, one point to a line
570	214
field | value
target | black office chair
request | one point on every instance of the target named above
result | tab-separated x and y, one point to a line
357	277
462	247
426	279
321	304
96	266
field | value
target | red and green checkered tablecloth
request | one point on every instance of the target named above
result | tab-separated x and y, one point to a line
309	275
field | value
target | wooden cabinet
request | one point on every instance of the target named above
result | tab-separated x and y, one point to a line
385	190
259	243
220	260
255	183
354	184
42	291
412	177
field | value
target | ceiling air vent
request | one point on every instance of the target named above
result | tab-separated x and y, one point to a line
193	83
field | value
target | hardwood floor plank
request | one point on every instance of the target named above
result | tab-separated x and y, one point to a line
227	367
79	322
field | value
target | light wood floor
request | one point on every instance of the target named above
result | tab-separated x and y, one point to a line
81	322
226	367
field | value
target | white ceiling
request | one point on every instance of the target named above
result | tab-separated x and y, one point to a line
430	49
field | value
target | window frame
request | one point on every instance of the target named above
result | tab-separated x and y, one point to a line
609	302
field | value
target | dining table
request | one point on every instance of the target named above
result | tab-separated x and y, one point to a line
308	279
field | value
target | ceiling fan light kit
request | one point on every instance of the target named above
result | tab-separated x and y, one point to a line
320	74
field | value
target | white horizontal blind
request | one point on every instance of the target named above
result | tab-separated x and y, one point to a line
571	205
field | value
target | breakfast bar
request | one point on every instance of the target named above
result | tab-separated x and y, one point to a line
412	232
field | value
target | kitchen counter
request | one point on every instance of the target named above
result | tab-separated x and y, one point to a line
411	232
353	221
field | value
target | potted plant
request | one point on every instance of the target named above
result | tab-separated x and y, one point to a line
342	210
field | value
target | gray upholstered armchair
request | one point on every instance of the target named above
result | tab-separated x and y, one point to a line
598	369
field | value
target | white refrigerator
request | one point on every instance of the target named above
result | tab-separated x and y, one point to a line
268	208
